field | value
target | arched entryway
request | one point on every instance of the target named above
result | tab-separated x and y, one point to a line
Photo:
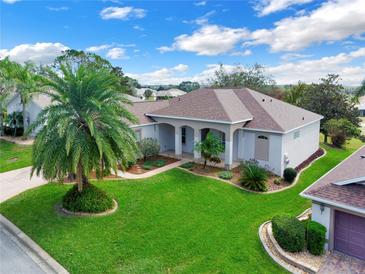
187	140
166	133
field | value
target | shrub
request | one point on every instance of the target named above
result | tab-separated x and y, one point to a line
277	181
90	199
289	232
253	176
290	174
149	147
159	163
215	160
148	165
316	238
341	130
226	175
188	165
338	139
362	138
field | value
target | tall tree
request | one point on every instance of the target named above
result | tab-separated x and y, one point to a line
360	91
188	86
253	77
328	99
86	126
296	94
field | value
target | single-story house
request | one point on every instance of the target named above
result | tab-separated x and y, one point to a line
169	93
36	104
133	99
338	203
251	125
361	106
139	92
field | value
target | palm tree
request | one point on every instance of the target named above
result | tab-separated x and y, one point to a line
295	94
24	81
86	126
5	93
360	91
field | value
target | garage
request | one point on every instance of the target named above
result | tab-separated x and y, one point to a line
349	234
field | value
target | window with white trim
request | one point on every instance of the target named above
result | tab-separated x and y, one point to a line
138	133
183	135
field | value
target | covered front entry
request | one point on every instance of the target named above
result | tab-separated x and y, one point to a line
349	234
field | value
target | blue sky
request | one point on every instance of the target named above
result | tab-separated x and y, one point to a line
170	41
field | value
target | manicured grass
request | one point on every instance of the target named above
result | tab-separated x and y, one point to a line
13	156
174	222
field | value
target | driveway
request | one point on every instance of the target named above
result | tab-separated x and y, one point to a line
339	263
13	258
16	181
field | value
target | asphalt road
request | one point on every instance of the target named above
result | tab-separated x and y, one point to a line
13	260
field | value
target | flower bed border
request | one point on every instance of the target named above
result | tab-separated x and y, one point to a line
86	214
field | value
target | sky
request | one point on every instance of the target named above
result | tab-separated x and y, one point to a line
166	42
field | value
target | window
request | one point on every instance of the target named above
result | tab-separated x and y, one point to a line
296	134
183	135
138	133
223	139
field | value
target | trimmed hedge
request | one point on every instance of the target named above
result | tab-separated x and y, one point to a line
289	232
316	237
188	165
290	174
91	199
226	175
159	163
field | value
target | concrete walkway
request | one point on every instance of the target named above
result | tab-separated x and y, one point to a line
17	181
18	140
339	263
147	174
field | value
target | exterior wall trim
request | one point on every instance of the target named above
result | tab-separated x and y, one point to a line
201	120
143	125
332	203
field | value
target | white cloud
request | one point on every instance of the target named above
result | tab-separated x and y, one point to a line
10	1
116	53
122	13
98	48
40	53
312	70
63	8
265	7
201	3
294	56
202	20
181	68
246	52
209	40
287	73
137	27
332	21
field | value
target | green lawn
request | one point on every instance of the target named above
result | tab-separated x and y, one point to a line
174	222
13	156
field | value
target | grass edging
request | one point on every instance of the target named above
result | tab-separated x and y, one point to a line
88	214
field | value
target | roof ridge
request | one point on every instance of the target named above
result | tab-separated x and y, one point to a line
220	103
264	110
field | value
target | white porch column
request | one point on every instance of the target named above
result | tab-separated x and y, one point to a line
197	139
178	146
228	155
240	145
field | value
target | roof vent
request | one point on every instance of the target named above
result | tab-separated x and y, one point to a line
263	100
303	118
362	156
270	100
179	99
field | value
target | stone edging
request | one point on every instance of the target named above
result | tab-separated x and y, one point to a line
281	257
258	192
84	214
38	255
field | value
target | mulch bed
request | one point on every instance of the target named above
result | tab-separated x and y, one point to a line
138	167
311	158
214	171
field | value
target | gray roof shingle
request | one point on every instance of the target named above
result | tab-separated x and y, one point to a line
353	194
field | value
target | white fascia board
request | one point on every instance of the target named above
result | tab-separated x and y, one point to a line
197	119
334	203
143	125
350	181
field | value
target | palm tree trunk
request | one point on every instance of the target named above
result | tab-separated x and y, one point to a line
25	122
80	183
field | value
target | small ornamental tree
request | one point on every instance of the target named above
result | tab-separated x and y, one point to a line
149	147
210	147
341	130
148	93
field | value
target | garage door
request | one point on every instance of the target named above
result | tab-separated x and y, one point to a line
350	234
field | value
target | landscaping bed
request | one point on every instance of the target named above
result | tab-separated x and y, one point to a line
215	172
151	163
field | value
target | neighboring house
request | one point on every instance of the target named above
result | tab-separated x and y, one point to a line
361	106
139	92
133	99
169	93
251	125
33	108
338	203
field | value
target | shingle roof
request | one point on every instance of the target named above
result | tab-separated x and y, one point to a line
353	194
139	109
236	105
